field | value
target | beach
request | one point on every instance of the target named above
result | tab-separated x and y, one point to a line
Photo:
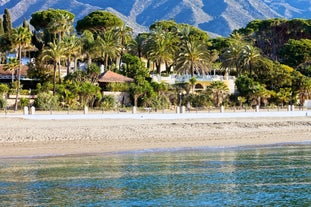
48	135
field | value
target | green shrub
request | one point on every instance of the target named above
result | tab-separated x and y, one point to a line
117	87
12	91
4	88
107	102
199	100
3	103
24	102
160	102
46	101
45	87
24	92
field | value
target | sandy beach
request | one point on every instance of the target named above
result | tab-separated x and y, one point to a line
67	135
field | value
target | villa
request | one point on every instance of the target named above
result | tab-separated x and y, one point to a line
202	81
121	98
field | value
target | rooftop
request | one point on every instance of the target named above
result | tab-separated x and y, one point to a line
112	77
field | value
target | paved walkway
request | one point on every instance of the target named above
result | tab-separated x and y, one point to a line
158	115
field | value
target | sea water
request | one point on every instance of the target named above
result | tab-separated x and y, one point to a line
254	176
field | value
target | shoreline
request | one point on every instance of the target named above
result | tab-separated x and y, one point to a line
44	135
160	150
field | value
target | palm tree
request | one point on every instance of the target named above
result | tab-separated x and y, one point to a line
259	94
60	25
231	57
241	100
304	89
89	45
192	82
12	65
73	49
110	46
87	92
248	56
138	45
124	34
193	57
92	72
218	91
139	89
55	52
184	32
21	38
162	46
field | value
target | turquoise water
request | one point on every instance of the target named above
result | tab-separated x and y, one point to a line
263	176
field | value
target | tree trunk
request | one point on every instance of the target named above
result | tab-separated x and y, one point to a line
54	79
120	58
192	70
13	71
59	76
237	69
250	69
75	63
135	100
89	60
18	77
59	37
68	66
167	68
158	66
106	62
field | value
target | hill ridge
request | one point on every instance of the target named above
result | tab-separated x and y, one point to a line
218	17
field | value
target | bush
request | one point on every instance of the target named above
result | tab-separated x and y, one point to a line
24	92
160	102
24	102
199	100
3	103
108	102
117	87
46	101
45	87
4	88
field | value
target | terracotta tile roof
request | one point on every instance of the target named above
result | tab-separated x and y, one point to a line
8	72
112	77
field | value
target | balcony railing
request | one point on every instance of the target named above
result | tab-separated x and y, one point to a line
173	78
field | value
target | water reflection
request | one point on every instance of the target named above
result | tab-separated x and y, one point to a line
278	176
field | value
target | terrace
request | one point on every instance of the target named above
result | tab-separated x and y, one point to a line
201	80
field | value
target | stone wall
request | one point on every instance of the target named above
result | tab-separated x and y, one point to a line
121	98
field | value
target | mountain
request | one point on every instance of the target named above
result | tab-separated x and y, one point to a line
218	17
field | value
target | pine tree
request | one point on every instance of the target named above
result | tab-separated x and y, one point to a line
7	23
1	27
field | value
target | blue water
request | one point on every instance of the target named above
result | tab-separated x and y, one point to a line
262	176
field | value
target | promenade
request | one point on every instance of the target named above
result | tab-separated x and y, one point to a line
62	115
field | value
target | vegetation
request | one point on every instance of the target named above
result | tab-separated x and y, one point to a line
271	60
99	21
20	39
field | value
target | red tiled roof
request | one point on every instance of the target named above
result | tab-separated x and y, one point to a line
112	77
8	72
